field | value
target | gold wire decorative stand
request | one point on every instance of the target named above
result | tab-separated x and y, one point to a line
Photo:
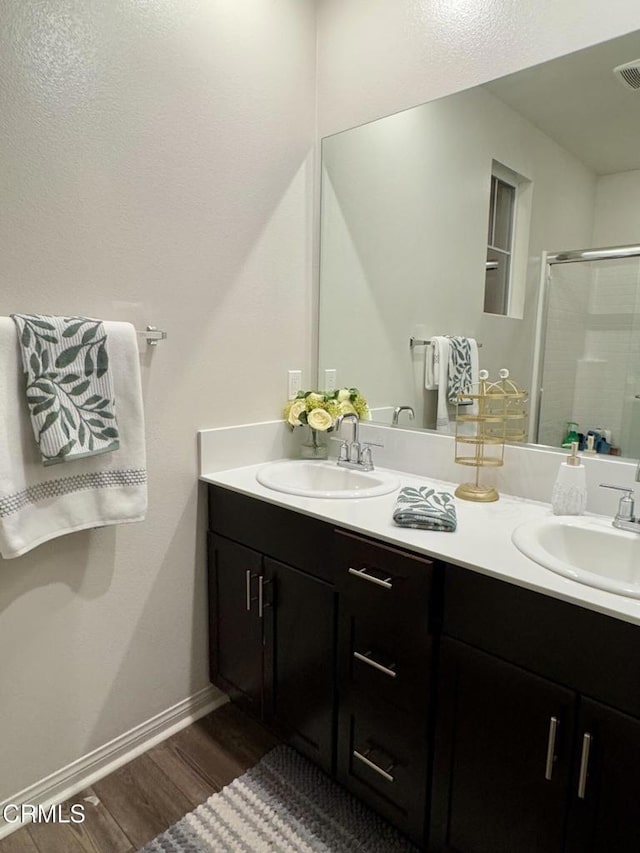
498	416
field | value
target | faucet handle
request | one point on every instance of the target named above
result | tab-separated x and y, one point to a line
626	506
373	444
365	456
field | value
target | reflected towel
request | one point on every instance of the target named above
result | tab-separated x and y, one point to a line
69	388
426	509
38	503
470	382
430	364
441	373
463	372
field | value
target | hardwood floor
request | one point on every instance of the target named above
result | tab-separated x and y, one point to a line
133	804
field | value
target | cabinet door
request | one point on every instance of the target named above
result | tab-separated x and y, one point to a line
236	653
299	624
503	741
606	782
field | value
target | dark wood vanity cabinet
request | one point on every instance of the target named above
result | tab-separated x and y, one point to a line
272	624
387	633
524	762
475	715
330	638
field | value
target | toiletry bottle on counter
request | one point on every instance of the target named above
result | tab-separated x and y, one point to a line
569	496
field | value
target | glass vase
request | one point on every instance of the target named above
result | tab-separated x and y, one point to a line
314	444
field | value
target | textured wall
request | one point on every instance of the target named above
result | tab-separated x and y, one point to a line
376	57
157	153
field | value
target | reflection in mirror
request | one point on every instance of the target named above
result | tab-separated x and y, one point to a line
590	351
407	247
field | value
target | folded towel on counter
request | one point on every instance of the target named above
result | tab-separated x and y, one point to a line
425	508
69	388
40	503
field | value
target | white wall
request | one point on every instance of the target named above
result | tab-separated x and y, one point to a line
404	237
376	57
159	154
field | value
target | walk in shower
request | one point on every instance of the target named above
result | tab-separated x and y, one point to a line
589	347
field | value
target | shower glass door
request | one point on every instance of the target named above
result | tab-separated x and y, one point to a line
591	357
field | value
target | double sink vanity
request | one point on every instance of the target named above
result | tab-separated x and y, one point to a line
483	697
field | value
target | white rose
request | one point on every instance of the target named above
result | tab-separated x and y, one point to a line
343	395
346	408
297	407
315	398
319	419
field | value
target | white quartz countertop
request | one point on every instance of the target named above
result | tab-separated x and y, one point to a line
482	541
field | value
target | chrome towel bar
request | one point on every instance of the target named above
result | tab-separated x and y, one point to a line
420	342
152	335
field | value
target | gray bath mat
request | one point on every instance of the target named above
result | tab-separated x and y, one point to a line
283	804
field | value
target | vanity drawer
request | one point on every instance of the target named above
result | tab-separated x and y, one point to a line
384	660
386	623
380	578
383	759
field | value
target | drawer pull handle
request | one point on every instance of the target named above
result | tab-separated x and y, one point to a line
584	765
551	748
374	663
362	573
374	767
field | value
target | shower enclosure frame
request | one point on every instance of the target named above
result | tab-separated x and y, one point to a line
549	259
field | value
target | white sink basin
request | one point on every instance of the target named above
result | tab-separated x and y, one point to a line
324	480
588	550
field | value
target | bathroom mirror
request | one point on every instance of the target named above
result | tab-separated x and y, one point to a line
404	241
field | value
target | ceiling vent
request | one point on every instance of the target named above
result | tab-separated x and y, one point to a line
629	74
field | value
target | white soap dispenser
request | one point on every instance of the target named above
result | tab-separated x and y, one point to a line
569	496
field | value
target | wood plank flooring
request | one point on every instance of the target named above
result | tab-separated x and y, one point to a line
133	804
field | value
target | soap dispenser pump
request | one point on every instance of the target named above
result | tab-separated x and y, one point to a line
569	496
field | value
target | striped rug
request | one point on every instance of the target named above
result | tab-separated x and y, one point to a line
283	804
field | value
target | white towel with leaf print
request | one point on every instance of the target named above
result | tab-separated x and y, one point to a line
425	508
69	389
39	503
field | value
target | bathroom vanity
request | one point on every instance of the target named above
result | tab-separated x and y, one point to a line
478	702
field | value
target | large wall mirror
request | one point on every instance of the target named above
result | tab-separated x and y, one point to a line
412	246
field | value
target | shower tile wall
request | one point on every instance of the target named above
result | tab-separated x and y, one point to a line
593	314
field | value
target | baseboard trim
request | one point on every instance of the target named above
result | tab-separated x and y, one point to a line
95	765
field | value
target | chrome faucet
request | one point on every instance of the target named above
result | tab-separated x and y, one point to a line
396	414
625	518
352	453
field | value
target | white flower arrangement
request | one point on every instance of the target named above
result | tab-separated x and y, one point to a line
319	409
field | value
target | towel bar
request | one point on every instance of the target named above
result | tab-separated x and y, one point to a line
419	342
153	335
